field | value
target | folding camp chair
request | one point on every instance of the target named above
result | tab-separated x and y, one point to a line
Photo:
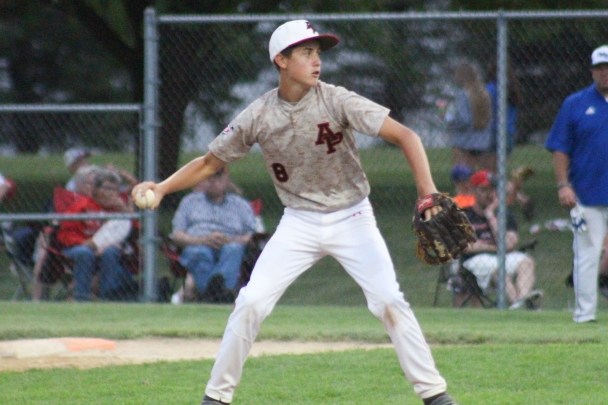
445	278
57	268
215	291
467	291
21	270
463	284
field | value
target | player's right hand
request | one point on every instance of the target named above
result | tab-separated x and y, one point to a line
567	198
141	188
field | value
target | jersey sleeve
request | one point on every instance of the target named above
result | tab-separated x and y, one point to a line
236	139
559	138
356	111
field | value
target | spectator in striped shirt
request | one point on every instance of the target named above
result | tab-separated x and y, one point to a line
212	226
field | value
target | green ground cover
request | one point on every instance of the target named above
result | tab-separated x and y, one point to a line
487	356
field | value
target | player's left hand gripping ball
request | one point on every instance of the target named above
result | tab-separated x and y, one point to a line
145	200
445	235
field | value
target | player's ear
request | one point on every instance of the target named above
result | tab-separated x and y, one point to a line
281	61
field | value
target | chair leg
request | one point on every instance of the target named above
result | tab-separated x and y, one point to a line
442	278
25	278
472	293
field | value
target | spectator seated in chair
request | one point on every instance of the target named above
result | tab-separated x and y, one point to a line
212	226
481	259
460	176
94	246
24	236
48	268
77	158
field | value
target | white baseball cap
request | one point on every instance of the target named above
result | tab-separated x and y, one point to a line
73	155
599	56
294	32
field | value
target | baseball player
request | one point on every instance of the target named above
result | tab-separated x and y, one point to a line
579	143
305	131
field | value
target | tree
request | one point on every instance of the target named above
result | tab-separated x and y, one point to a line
117	25
109	34
51	59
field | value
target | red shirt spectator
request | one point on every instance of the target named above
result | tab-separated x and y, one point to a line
73	233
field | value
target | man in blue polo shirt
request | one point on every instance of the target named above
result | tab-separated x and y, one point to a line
213	226
579	143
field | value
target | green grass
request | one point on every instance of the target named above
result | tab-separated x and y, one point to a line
487	356
392	195
289	322
502	374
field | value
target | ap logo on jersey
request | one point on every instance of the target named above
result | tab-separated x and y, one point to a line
328	137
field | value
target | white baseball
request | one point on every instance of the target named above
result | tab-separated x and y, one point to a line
146	200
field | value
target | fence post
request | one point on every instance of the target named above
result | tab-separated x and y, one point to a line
501	155
150	218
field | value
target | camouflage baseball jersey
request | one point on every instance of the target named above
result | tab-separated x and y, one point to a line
309	148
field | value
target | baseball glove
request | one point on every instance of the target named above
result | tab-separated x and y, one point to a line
444	236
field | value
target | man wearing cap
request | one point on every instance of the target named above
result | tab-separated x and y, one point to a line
75	158
461	175
94	246
212	226
305	129
481	259
579	143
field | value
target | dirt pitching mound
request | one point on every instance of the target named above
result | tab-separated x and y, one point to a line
82	353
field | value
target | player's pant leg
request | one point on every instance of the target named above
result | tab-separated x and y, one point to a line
587	247
359	247
291	250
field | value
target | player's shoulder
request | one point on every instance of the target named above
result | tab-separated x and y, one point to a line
331	89
334	97
266	99
580	95
257	109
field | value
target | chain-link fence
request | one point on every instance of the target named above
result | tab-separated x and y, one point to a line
210	68
77	146
202	70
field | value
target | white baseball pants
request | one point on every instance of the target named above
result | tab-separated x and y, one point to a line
301	239
587	247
